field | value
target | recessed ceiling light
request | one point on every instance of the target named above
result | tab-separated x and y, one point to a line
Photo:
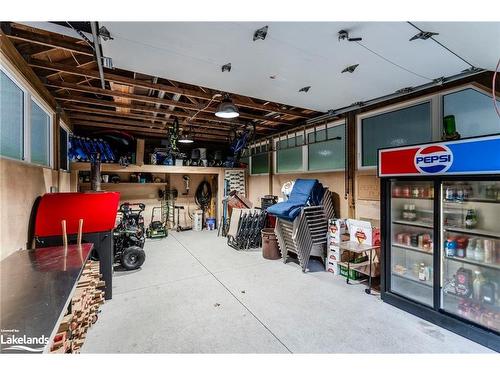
305	89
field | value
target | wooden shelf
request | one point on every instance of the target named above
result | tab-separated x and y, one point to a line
111	184
146	168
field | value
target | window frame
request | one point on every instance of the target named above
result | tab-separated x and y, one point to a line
250	159
328	126
435	118
470	86
25	154
50	150
303	147
30	95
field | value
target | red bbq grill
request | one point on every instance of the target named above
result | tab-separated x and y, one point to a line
98	211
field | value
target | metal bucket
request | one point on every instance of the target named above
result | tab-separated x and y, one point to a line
270	248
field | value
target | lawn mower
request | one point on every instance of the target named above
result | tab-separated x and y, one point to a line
158	228
128	237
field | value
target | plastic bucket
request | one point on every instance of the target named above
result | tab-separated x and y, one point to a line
198	221
270	248
210	223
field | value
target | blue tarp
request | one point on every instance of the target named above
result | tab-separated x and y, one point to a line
304	192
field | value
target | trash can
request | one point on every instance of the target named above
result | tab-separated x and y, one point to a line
270	248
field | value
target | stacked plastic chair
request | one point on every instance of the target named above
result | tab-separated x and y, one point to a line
302	221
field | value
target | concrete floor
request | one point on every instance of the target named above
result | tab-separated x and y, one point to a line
195	294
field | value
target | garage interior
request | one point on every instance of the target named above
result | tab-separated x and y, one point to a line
250	187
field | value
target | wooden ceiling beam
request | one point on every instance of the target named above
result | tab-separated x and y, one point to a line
158	86
71	108
150	99
108	103
48	40
145	130
81	117
30	49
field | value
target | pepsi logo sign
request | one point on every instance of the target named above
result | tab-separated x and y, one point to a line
433	159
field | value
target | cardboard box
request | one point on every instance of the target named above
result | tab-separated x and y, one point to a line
333	255
332	267
363	232
336	228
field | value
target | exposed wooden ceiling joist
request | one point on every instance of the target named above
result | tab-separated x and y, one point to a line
147	130
142	108
53	41
66	65
150	99
79	117
141	116
156	86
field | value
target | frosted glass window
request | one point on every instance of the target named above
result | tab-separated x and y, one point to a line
11	118
407	126
260	163
474	113
40	133
327	155
290	160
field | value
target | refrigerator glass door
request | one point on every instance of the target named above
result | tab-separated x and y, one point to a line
470	251
412	219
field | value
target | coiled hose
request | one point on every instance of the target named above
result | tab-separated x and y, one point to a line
203	195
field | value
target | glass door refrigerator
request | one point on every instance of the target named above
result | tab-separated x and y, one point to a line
440	211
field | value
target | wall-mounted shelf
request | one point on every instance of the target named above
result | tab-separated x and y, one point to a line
147	168
111	184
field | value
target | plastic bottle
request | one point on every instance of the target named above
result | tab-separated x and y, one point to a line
451	247
460	193
471	219
421	272
450	193
405	212
479	254
477	285
414	192
470	251
412	212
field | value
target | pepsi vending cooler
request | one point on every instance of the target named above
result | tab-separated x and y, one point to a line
440	207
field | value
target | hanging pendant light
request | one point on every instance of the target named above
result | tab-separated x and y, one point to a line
227	109
186	137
